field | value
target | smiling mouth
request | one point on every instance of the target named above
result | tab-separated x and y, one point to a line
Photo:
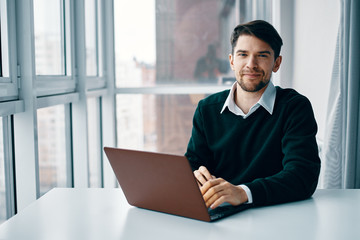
251	75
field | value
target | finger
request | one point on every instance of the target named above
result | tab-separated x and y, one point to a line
204	171
218	202
207	186
213	190
200	177
224	192
210	188
216	199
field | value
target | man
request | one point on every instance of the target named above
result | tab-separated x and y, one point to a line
209	67
255	143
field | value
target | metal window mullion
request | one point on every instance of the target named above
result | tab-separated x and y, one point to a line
70	39
11	107
9	167
49	101
99	145
97	36
108	124
25	123
63	35
68	146
79	108
174	89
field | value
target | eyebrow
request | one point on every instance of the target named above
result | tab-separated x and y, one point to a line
268	52
245	51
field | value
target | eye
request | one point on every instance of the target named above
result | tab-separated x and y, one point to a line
263	55
242	54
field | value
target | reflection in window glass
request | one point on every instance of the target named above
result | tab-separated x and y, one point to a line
52	148
2	177
94	141
49	37
186	41
152	123
4	47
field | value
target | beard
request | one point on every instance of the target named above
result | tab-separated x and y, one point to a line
252	86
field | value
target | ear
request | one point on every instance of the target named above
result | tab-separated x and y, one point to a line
277	64
231	60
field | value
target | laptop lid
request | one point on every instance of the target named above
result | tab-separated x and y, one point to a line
159	182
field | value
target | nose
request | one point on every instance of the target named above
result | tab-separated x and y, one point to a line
252	62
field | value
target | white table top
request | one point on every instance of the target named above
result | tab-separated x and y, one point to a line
104	214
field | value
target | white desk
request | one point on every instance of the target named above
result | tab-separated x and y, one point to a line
104	214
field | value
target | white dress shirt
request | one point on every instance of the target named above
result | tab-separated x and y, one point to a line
267	101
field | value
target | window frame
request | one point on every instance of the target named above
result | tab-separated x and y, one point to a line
9	85
99	80
66	101
47	85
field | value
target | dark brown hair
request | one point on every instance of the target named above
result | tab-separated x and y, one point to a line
260	29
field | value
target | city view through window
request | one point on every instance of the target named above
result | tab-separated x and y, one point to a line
174	43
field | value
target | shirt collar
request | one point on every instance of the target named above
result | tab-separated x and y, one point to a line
267	100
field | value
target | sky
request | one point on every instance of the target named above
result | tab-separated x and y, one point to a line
135	30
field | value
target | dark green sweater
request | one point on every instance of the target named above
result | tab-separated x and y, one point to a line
276	155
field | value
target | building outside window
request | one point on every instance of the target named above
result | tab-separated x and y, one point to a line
49	44
94	142
175	47
52	148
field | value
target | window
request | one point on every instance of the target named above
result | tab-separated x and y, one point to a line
53	57
4	58
8	77
49	32
169	59
94	34
165	131
46	131
177	42
93	38
94	142
53	168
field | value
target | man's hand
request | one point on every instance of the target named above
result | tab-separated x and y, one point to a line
216	191
203	175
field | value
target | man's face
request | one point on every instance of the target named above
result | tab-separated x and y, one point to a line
253	62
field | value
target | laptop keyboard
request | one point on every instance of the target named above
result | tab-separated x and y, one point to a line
220	212
226	210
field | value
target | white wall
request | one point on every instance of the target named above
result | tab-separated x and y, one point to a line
315	32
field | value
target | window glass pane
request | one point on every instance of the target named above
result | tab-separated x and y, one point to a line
93	29
49	37
4	47
176	41
52	148
100	49
2	177
153	123
94	141
90	32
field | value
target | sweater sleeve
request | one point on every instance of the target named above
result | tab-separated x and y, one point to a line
301	164
197	151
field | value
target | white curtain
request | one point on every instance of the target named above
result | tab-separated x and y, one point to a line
341	149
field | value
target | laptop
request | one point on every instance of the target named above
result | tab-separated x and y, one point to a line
164	183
